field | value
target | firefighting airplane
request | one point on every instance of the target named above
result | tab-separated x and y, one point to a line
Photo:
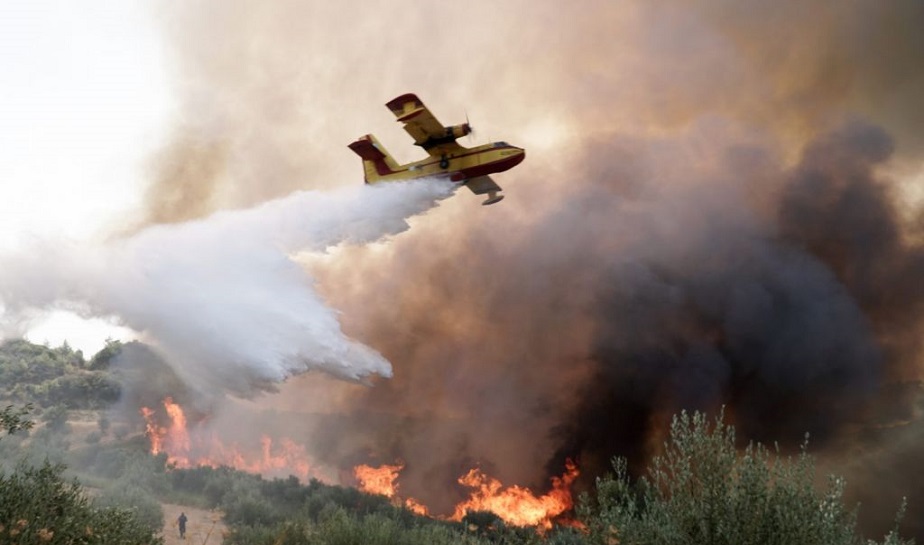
448	158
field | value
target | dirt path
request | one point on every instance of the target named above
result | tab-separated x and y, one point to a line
203	527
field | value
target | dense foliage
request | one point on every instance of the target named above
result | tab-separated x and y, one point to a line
702	490
37	505
13	420
55	376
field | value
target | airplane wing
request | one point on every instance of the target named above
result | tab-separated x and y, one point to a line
482	184
423	126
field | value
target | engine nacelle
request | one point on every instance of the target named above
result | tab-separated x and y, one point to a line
450	135
458	131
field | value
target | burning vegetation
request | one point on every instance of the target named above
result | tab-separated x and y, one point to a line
701	488
515	505
187	448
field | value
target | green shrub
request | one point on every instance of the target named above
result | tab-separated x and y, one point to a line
288	533
55	417
338	527
13	420
80	390
700	490
104	357
47	444
145	509
38	506
249	510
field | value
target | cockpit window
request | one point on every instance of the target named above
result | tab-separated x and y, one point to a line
501	144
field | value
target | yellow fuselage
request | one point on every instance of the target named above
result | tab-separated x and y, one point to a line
463	164
458	163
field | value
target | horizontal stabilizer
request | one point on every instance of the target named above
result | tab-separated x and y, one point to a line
376	160
365	148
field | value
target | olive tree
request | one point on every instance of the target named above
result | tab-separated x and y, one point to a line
37	505
701	489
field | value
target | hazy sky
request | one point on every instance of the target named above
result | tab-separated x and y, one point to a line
84	100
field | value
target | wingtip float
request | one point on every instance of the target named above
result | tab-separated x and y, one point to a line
447	158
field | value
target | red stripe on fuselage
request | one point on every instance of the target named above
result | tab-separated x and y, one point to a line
495	166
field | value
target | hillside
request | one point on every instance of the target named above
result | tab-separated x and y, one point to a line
86	419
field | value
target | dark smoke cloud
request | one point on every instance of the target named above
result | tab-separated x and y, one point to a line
696	224
836	207
578	334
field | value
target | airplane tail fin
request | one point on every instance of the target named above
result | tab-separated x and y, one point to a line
377	162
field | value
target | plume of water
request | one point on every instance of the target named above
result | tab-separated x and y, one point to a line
220	297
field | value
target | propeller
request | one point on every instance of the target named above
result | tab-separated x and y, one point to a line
471	130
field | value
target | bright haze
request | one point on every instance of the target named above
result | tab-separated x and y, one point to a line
721	205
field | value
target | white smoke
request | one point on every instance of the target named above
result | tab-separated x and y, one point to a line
220	298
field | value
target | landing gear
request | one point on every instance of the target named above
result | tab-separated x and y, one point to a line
444	162
493	197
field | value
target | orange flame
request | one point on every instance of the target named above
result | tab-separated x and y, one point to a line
173	437
381	481
378	480
154	433
282	457
416	507
517	505
514	504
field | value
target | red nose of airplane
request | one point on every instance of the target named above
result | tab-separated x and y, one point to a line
520	156
512	157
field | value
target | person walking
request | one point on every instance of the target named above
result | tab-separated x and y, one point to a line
181	521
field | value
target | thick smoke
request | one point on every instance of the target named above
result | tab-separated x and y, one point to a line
836	207
269	92
220	297
696	225
658	284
